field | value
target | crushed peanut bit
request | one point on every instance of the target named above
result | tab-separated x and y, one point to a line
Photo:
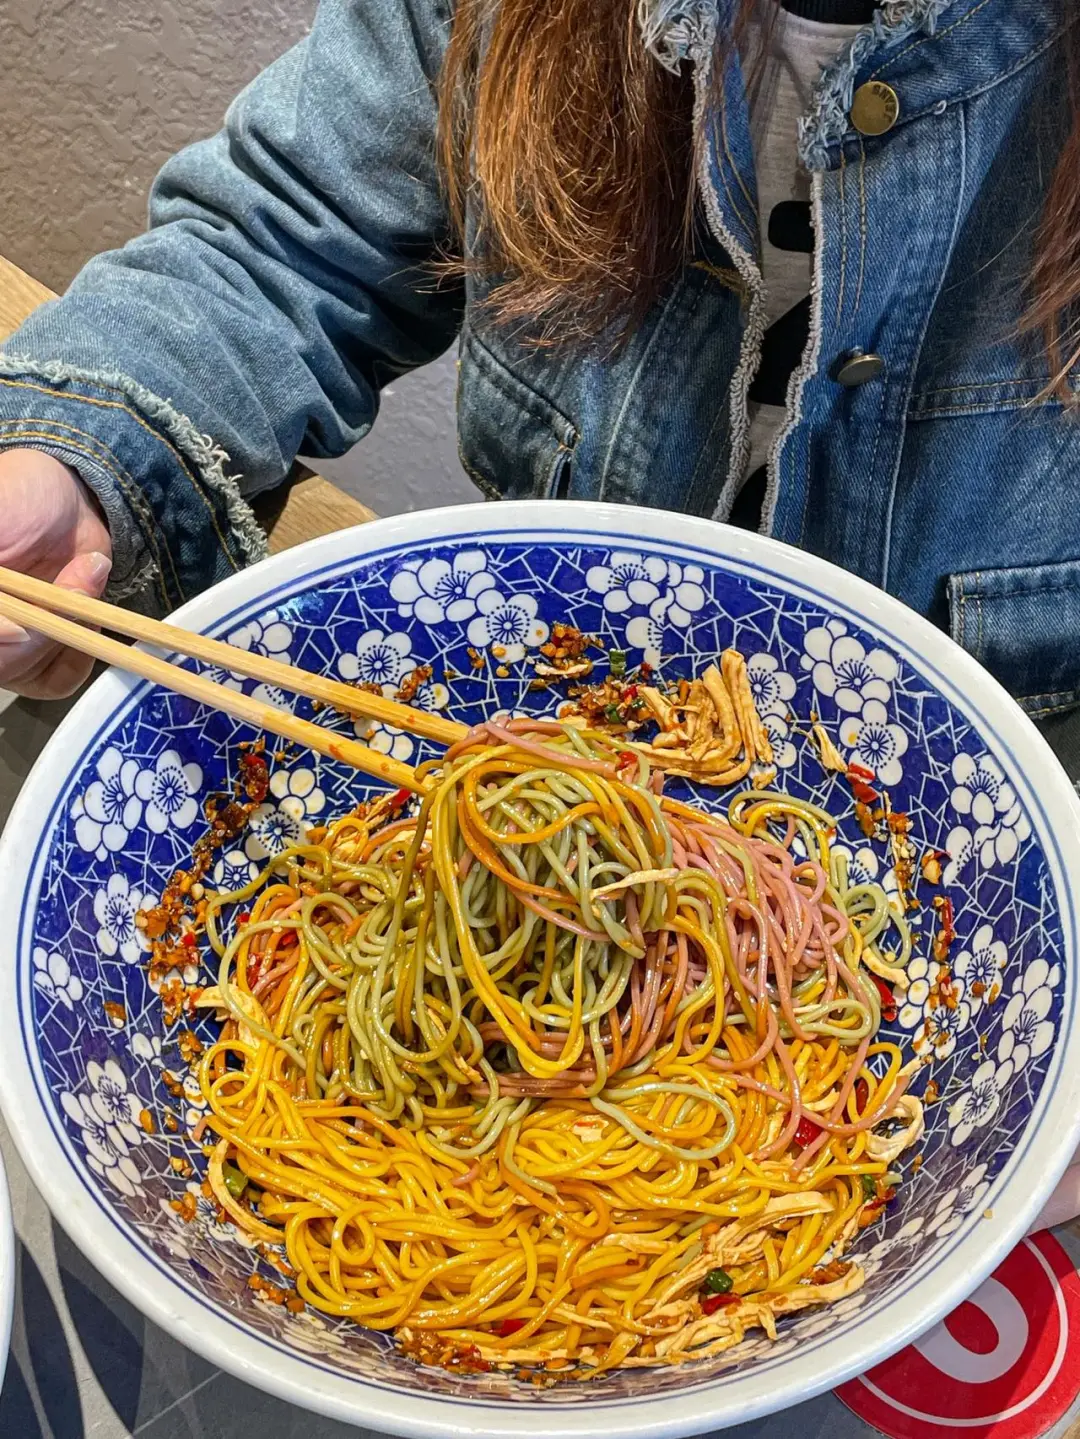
190	1047
146	1120
115	1012
187	1207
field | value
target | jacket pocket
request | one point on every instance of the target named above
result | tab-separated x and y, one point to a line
1023	624
513	442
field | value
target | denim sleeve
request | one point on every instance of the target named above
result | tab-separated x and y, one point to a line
286	276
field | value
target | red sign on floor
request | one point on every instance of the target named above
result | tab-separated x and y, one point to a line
1005	1365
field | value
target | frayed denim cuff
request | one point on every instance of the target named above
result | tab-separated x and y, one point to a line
177	519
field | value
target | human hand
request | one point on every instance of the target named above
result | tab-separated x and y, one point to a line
51	528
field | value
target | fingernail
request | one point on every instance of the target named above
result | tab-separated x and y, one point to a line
11	633
98	567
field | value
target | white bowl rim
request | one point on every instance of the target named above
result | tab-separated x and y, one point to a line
7	1268
975	1249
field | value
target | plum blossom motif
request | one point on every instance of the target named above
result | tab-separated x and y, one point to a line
843	671
109	809
379	659
430	695
388	739
684	597
779	731
646	634
233	871
268	635
297	792
53	976
913	1010
311	1335
270	830
862	864
282	821
108	1122
772	688
627	579
115	908
965	1198
874	742
146	1047
434	590
995	827
938	1023
168	792
943	1025
981	967
507	623
205	1221
669	590
1026	1031
979	1103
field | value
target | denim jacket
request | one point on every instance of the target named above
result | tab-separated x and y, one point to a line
286	276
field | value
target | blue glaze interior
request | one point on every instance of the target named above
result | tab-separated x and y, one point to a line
131	813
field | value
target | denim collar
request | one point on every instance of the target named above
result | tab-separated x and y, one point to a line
977	44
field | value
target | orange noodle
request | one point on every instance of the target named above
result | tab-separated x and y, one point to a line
558	1071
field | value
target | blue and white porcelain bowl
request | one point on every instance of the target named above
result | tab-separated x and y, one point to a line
114	806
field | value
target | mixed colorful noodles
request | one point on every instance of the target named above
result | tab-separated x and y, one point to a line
558	1071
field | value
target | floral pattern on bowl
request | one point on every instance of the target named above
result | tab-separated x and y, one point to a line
127	817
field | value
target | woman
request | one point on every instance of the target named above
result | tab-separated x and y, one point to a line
636	199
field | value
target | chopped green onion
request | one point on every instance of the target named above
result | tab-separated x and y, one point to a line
235	1181
869	1186
617	661
718	1281
612	713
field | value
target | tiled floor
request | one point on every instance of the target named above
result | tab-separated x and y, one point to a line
85	1365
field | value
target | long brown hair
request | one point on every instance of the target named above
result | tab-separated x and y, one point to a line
580	147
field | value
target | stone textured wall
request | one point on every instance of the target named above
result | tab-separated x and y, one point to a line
97	93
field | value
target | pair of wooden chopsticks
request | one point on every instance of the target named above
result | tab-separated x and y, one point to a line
42	607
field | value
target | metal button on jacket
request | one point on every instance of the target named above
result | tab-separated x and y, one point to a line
857	368
875	108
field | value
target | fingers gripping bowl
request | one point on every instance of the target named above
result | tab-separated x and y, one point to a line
463	603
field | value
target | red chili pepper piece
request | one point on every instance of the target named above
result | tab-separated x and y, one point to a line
862	1095
859	771
244	917
188	941
256	777
510	1326
807	1132
626	756
888	1003
400	798
716	1301
881	1201
864	793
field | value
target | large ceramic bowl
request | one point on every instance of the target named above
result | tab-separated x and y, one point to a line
113	807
